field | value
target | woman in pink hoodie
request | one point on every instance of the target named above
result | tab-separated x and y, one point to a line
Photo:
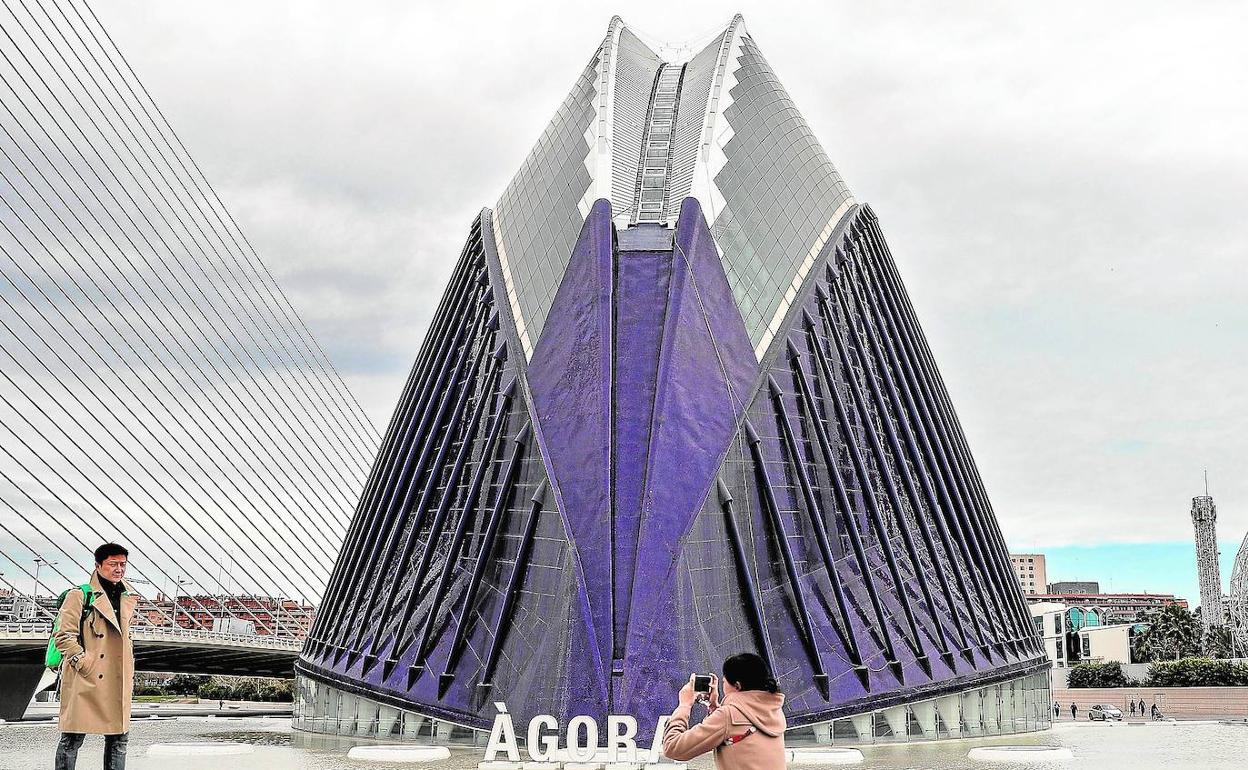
745	729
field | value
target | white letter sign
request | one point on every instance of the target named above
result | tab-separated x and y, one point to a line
502	736
621	730
542	748
582	752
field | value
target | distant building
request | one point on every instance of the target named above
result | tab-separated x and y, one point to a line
1205	523
1050	621
1029	567
1074	635
1109	644
239	614
1111	609
258	615
23	608
1075	587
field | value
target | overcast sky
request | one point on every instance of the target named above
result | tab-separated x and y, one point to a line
1062	186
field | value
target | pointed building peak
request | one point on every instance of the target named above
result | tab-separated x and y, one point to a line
650	124
678	51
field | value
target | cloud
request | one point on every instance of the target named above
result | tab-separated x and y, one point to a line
1061	186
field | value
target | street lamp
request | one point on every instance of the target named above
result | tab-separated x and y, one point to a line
177	591
39	562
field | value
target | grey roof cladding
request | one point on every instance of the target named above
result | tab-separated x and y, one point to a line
687	138
636	67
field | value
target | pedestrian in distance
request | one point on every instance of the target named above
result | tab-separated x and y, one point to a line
1057	709
1133	708
97	661
744	729
1073	710
1153	711
1141	707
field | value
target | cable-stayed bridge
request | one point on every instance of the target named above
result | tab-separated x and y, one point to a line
157	387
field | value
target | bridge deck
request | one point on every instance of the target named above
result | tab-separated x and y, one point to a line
173	650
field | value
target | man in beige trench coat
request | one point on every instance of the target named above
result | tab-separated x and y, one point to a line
97	668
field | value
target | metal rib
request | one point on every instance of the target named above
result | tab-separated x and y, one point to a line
875	516
752	603
814	512
370	507
483	558
890	486
414	466
851	526
884	346
458	537
772	509
330	606
966	535
518	571
448	496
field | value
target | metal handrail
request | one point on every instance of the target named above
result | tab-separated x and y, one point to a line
257	640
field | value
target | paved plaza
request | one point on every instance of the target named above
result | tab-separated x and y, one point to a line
273	745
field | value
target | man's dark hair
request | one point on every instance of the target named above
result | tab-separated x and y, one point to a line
110	549
749	672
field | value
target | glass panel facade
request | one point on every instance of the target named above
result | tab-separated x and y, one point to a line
780	189
321	708
1020	705
539	217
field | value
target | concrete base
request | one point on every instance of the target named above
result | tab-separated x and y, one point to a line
1020	754
401	753
20	681
824	756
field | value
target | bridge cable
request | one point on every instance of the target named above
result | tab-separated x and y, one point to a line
88	548
302	330
112	414
89	551
71	441
115	265
147	387
147	220
270	339
70	582
359	454
94	350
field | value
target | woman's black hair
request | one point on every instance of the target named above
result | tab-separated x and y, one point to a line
749	672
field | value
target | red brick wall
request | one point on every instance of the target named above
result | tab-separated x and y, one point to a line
1178	702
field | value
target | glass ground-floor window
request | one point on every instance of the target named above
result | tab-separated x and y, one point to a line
1018	705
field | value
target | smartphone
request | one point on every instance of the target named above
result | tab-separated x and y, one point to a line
702	686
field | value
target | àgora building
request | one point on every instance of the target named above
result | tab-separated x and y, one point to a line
675	404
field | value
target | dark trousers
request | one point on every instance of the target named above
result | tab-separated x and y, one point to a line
114	751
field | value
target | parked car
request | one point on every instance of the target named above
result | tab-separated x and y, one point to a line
1105	713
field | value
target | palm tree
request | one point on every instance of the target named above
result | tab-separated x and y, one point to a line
1180	632
1172	633
1217	642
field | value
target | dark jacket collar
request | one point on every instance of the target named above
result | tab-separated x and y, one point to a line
100	601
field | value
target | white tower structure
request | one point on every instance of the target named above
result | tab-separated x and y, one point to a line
1204	519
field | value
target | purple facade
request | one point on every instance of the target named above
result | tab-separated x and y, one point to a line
692	417
577	532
